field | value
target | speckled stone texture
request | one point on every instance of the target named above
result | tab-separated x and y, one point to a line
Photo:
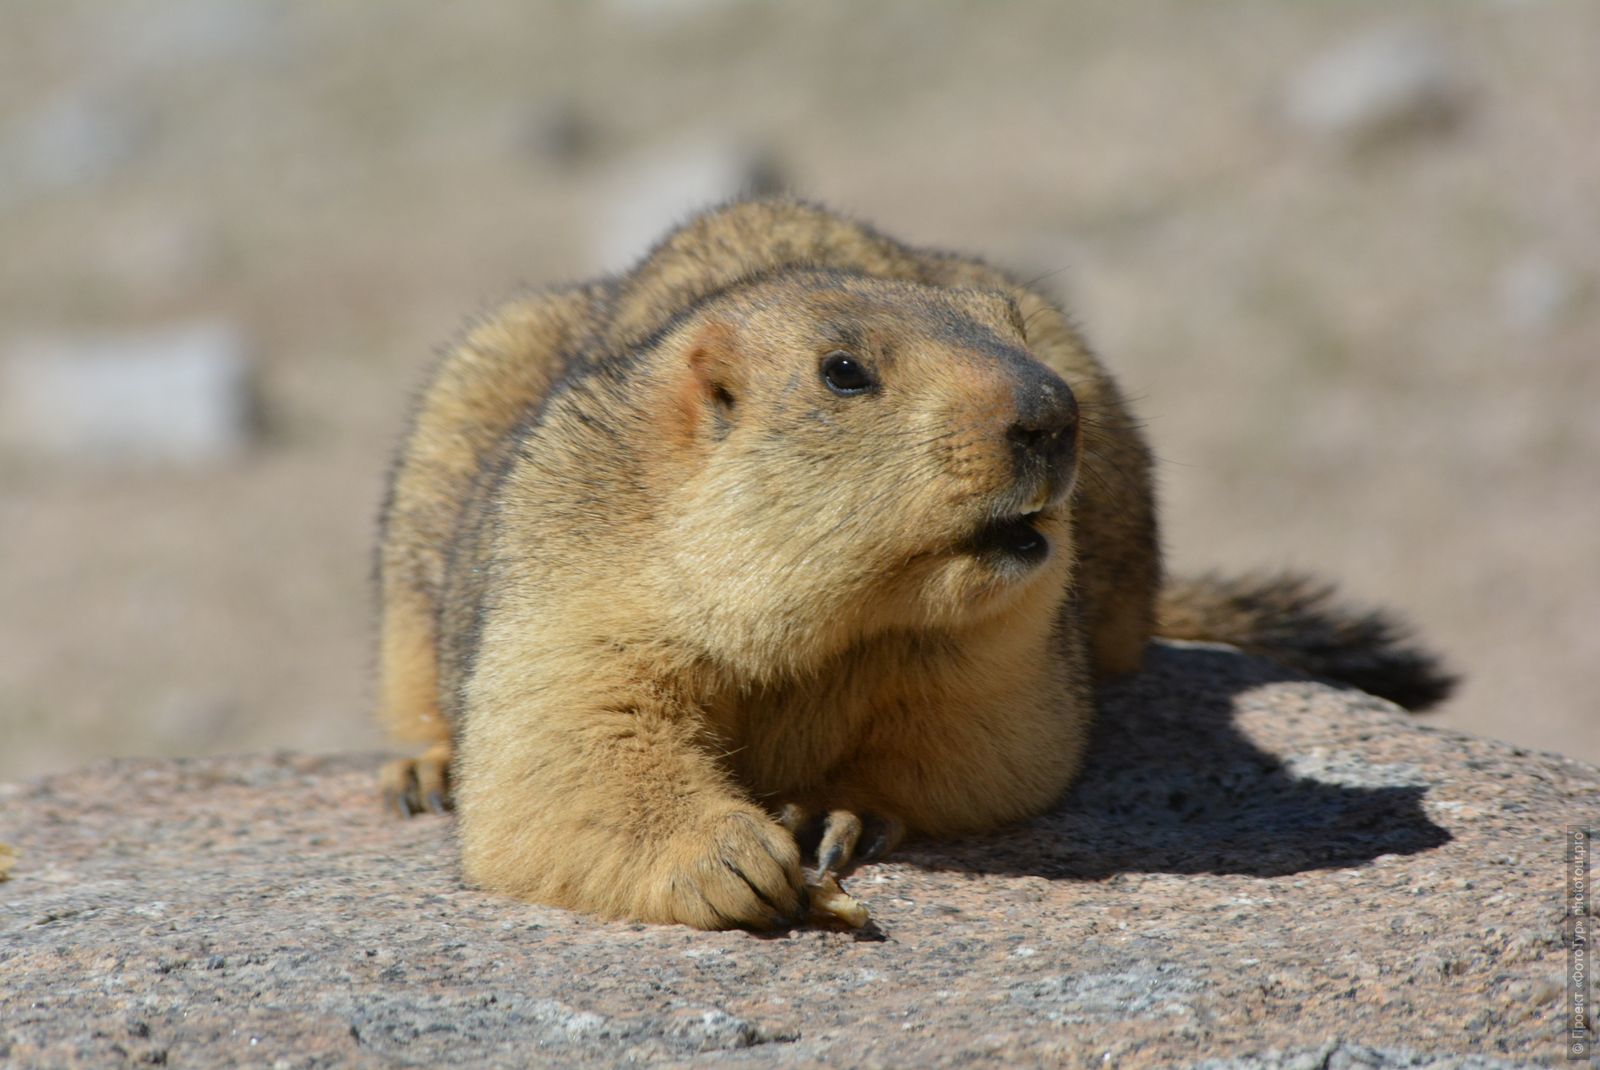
1257	870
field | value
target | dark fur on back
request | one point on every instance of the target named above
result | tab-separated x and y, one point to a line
1298	621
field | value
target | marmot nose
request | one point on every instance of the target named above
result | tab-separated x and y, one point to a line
1046	428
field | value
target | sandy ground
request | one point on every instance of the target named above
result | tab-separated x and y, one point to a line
1329	346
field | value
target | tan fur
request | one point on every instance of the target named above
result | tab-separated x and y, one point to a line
479	392
657	583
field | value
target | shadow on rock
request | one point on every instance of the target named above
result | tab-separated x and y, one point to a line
1170	786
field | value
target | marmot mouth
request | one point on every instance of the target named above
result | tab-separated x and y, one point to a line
1014	539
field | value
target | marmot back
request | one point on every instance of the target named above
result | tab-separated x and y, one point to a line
792	536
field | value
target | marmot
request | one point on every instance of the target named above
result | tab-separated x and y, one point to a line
791	535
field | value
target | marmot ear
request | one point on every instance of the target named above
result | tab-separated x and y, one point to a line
715	382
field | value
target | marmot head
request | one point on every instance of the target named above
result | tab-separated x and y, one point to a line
854	455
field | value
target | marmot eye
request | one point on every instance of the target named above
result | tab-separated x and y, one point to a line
844	374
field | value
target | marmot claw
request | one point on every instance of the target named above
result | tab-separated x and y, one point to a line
841	839
411	785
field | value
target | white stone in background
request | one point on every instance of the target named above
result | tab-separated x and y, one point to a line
1385	84
77	137
1535	293
646	194
89	131
181	395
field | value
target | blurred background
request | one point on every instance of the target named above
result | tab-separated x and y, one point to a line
1345	256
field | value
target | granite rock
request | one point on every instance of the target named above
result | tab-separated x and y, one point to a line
1257	870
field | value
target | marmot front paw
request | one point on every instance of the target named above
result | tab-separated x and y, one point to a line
735	869
412	785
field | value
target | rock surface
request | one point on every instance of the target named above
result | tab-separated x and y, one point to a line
1258	870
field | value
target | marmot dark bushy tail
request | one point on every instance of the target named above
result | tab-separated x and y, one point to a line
1297	621
793	536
